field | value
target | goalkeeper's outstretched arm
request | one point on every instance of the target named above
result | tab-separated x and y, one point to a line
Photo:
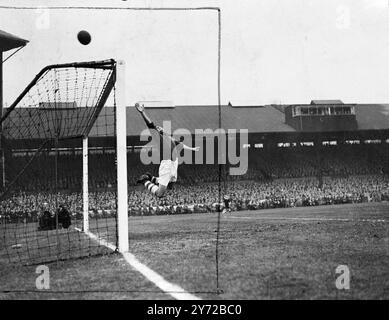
178	143
190	148
149	123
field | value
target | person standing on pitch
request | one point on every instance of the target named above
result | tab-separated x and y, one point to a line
168	167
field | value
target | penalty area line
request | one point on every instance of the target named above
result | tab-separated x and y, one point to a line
169	288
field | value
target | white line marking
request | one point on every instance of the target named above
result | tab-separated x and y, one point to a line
307	219
99	240
172	289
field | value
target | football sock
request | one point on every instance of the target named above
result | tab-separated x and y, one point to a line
151	187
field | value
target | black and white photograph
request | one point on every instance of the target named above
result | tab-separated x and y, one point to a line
207	151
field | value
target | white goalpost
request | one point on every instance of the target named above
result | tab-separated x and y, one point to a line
85	180
121	164
121	153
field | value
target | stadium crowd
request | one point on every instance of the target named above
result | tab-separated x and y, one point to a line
280	179
245	195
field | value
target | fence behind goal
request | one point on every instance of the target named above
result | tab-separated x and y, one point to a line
58	165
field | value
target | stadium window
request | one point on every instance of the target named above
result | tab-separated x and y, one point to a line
304	111
352	142
19	153
307	144
376	141
283	145
65	152
329	143
95	150
110	151
258	145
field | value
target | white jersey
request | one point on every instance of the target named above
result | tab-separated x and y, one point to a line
169	165
168	172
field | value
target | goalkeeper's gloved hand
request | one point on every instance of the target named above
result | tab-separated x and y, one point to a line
159	129
140	107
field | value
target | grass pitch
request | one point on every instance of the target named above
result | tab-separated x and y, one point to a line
267	254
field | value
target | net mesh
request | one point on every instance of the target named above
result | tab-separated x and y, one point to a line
41	192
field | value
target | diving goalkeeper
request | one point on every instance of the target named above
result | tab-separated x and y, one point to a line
168	167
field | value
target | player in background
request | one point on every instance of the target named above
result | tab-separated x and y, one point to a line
168	167
227	201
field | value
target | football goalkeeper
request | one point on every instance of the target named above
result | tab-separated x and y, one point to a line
168	167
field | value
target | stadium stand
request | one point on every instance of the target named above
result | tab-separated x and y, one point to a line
276	178
354	169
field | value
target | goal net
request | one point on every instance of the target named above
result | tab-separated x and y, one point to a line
58	190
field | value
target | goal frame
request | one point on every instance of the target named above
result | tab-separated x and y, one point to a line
117	83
